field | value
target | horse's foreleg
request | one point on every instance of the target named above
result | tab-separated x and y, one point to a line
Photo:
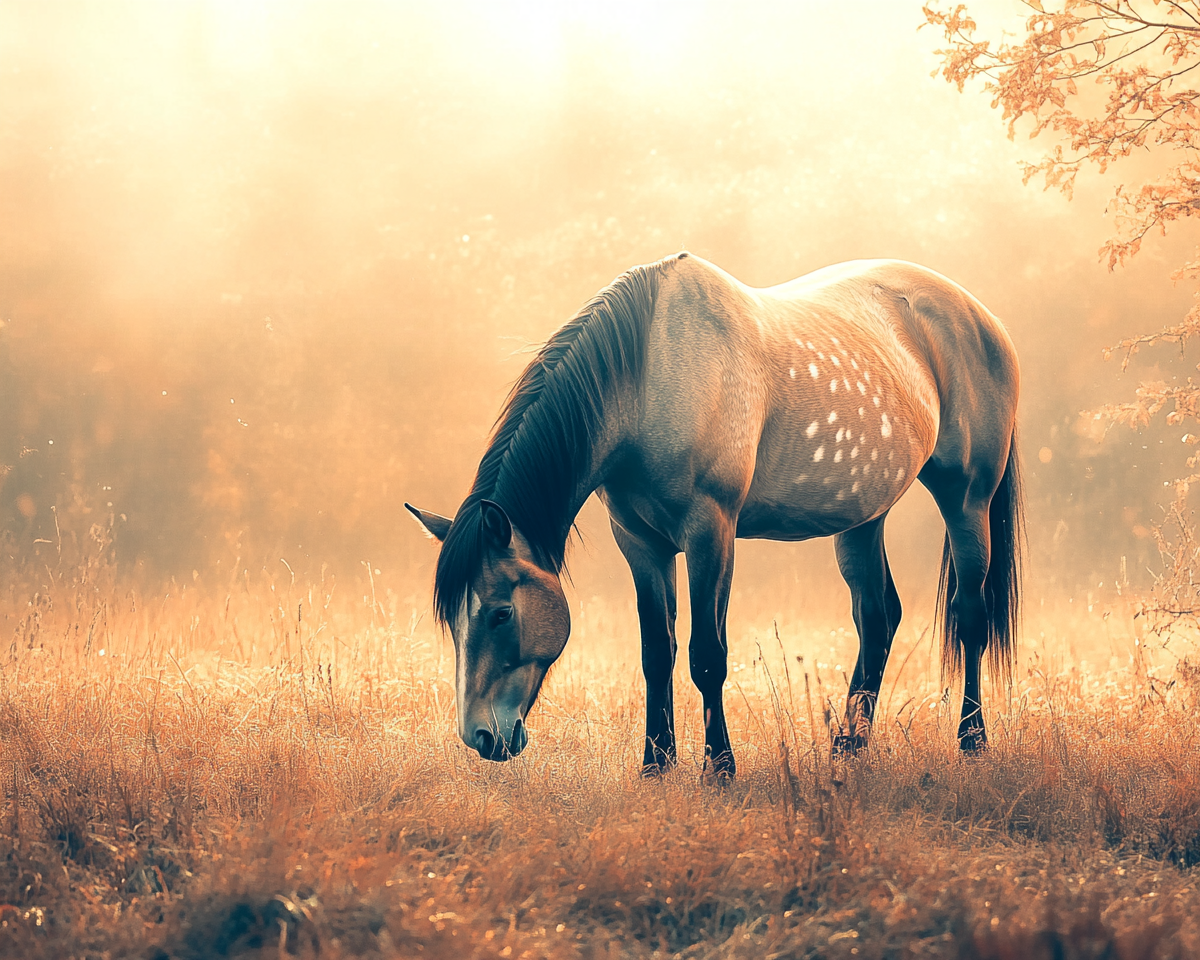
654	581
876	606
709	556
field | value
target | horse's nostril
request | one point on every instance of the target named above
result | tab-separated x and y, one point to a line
485	743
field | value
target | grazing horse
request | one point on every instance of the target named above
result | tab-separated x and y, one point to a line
701	410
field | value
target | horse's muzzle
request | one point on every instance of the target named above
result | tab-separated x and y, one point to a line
492	746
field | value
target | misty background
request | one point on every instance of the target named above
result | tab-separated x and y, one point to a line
267	270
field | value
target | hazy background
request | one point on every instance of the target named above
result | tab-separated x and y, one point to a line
266	270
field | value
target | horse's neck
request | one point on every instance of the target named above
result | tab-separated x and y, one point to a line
546	516
600	458
595	463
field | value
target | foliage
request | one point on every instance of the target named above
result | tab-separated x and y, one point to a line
1111	79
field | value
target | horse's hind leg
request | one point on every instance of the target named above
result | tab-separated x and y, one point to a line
969	541
653	571
863	561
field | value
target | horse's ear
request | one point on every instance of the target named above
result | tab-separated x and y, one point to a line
496	524
435	526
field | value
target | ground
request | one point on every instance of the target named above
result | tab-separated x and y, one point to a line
265	773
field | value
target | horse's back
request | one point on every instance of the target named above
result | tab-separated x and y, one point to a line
814	404
970	356
964	351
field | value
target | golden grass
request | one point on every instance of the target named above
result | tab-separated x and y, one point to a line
274	772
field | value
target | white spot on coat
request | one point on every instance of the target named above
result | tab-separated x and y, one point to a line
862	412
836	361
875	400
853	470
820	454
862	388
792	371
885	428
833	386
812	429
802	478
841	494
835	341
900	474
820	355
812	368
854	454
807	344
854	363
874	454
867	375
837	457
832	416
841	432
854	489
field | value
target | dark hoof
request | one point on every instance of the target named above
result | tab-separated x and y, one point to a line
657	759
719	770
846	747
973	742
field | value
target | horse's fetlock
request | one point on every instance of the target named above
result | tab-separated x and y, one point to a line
972	741
847	746
720	769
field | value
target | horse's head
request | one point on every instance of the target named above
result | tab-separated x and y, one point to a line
510	622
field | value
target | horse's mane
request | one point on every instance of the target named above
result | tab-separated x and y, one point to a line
542	442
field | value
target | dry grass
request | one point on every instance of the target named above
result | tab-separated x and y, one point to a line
272	773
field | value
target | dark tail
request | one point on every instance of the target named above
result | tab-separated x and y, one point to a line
1002	586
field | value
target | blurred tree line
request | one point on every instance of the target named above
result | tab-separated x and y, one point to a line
263	279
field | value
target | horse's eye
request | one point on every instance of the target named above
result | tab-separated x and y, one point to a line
501	615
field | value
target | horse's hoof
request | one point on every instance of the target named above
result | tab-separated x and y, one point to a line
846	746
973	743
718	771
655	771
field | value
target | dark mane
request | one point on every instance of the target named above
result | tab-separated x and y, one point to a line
542	442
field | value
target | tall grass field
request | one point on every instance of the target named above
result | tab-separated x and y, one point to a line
260	769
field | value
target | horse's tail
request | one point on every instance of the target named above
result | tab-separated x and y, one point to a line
1001	587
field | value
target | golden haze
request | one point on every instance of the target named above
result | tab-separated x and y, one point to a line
265	274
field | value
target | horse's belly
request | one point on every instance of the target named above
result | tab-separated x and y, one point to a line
819	475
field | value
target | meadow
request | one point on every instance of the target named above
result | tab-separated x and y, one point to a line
257	768
275	269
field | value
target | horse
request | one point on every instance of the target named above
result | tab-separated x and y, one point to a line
701	410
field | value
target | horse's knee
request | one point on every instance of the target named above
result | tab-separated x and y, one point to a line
708	672
873	609
895	609
658	661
